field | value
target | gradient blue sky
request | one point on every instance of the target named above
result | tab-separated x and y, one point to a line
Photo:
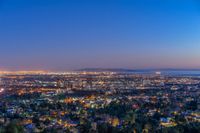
72	34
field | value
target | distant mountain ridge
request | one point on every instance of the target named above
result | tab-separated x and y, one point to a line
105	69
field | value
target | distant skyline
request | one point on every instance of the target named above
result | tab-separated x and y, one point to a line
63	35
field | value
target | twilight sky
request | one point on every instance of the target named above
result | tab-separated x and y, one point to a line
72	34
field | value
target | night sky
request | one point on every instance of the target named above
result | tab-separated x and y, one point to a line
72	34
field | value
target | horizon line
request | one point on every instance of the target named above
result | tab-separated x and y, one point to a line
102	69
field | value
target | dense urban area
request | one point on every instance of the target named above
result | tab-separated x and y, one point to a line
98	102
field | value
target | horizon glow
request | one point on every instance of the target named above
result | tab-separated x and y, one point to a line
73	34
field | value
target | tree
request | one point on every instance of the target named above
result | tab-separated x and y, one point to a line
13	127
130	117
148	128
192	105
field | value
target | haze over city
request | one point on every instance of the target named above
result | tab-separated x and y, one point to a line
74	34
